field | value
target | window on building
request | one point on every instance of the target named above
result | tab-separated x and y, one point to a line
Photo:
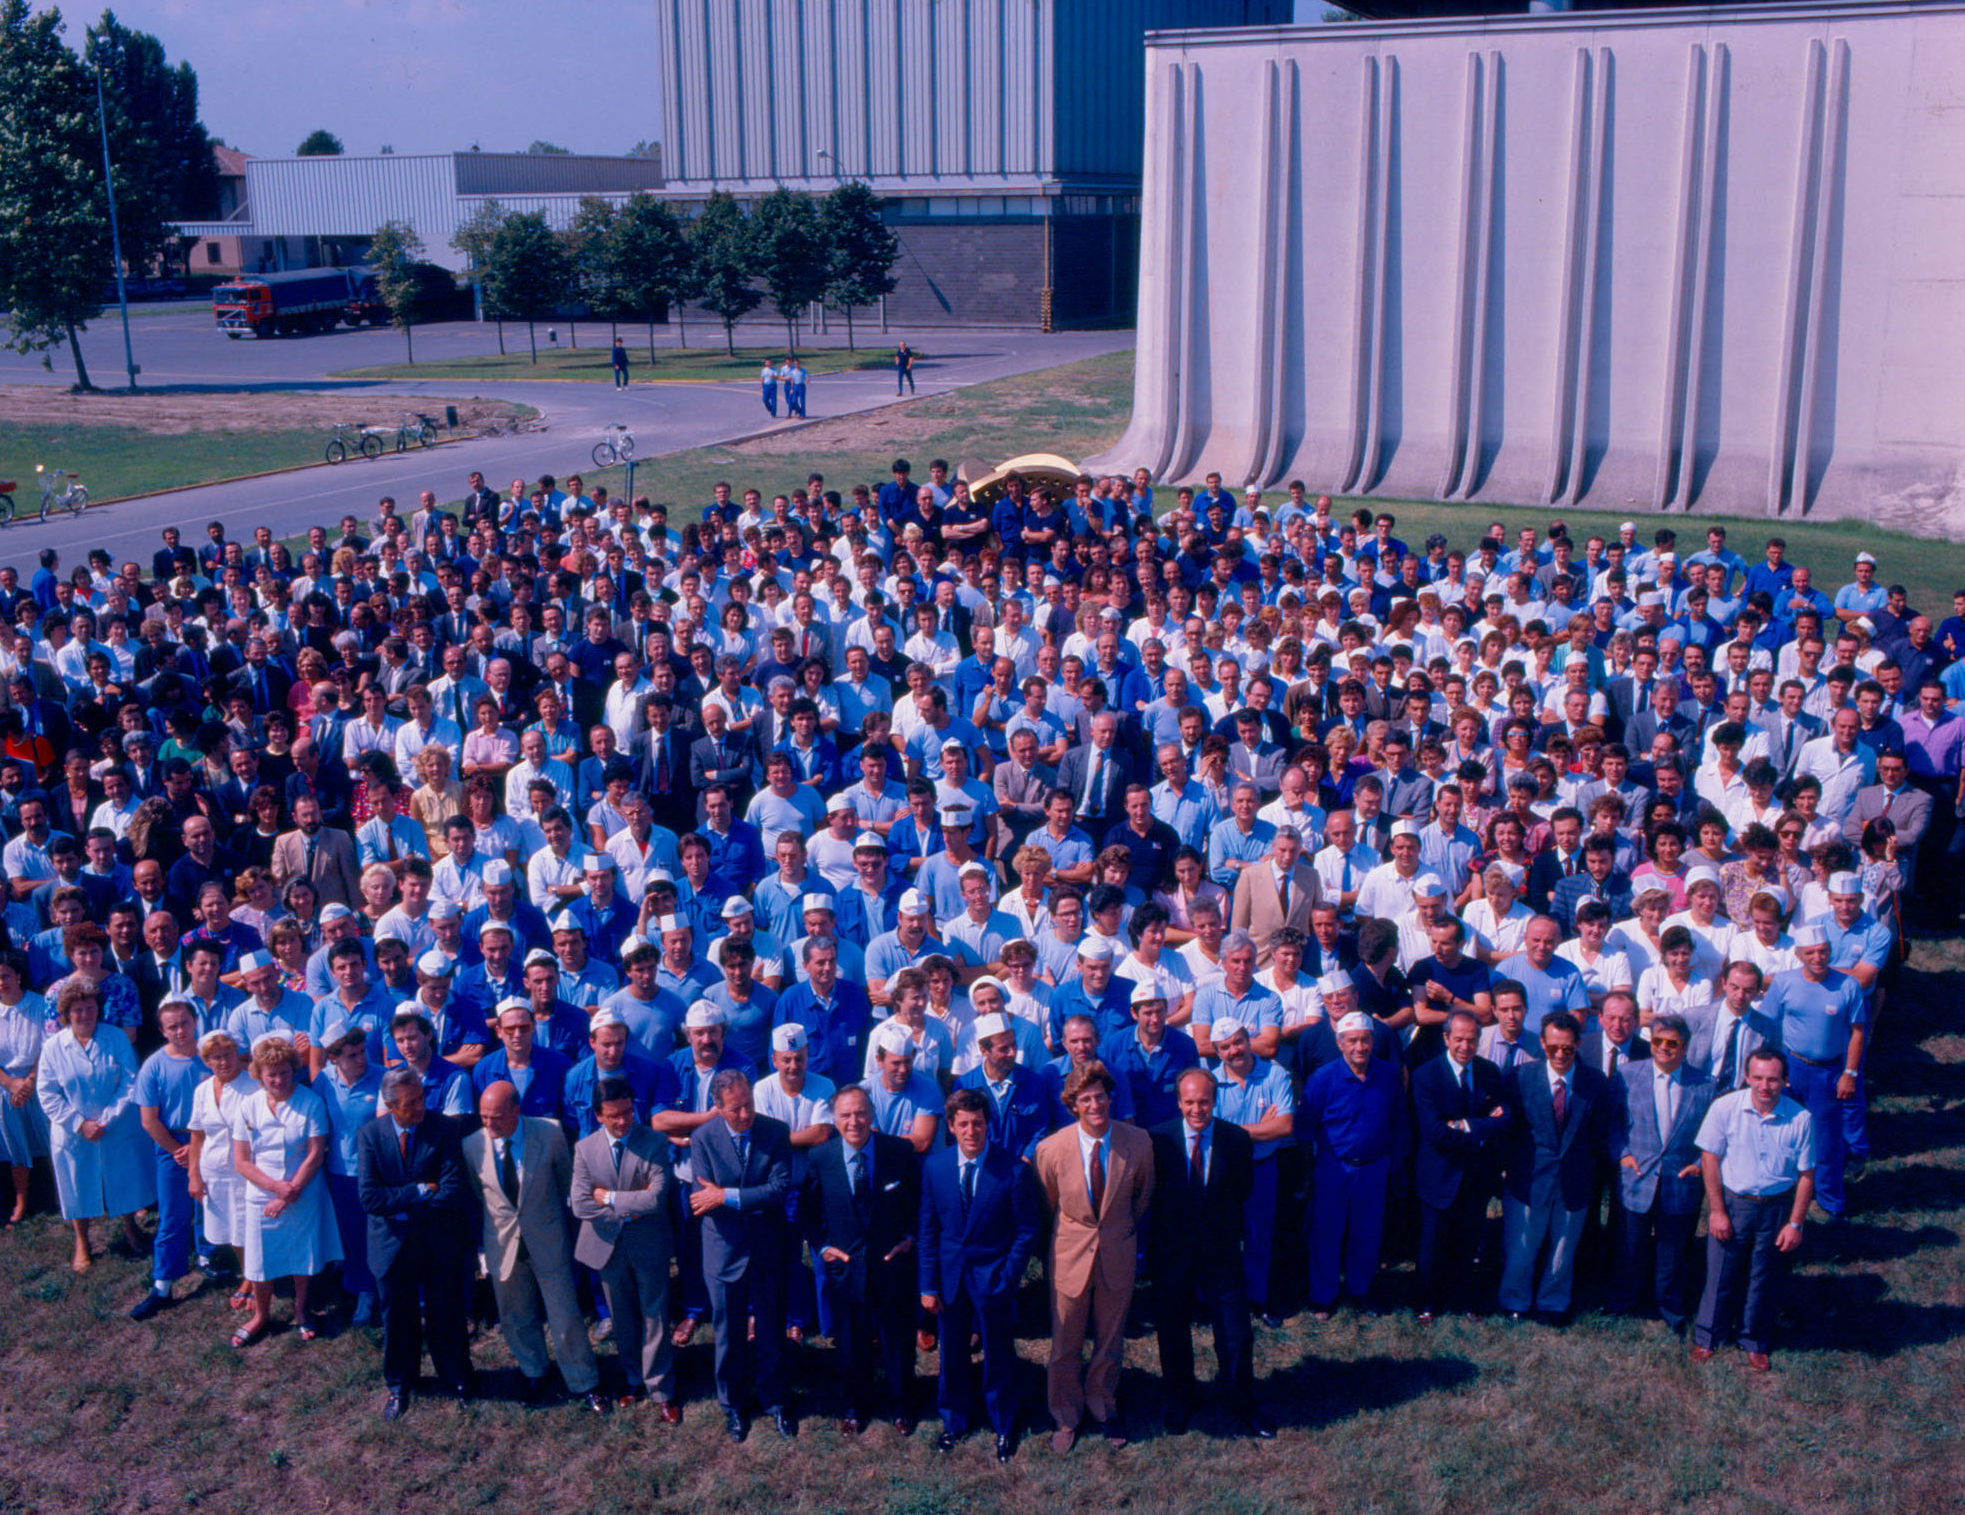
212	254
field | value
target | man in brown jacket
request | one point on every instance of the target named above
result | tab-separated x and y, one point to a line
1097	1176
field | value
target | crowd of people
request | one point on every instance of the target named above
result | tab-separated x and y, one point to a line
797	923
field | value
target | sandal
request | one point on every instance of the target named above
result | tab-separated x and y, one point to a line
245	1336
241	1299
309	1332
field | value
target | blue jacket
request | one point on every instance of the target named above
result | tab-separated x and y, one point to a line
1027	1115
545	1096
980	1257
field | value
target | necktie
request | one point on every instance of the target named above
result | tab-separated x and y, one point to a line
662	763
1723	1075
1092	783
743	1154
508	1172
1559	1100
860	1178
313	846
1466	1086
1197	1165
1671	1106
617	1156
402	1146
968	1186
1345	886
1283	894
1098	1177
389	830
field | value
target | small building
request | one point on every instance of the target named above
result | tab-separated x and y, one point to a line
280	213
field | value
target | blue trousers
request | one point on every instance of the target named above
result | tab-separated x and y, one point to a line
1744	1274
995	1320
177	1217
351	1221
795	400
1815	1087
1348	1222
771	398
1259	1232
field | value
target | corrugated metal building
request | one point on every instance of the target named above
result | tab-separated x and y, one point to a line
303	212
1005	134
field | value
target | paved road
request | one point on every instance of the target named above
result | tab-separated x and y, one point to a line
178	349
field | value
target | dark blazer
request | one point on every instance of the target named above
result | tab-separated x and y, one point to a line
1590	1049
1447	1157
983	1257
1646	725
278	687
1660	1157
677	808
734	771
893	1211
1190	1228
1546	1166
1076	769
401	1218
731	1237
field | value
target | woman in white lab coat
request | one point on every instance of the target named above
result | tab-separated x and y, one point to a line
87	1088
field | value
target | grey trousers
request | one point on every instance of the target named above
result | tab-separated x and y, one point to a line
637	1286
529	1304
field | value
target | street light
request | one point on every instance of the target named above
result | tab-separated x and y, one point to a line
115	237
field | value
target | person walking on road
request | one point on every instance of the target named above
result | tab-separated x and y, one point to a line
619	357
768	379
903	368
794	375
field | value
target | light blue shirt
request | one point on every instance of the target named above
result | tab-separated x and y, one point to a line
1244	1104
1758	1154
1560	986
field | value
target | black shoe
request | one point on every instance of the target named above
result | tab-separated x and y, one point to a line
733	1422
532	1391
398	1405
151	1304
1272	1321
1258	1425
903	1425
945	1442
1006	1448
598	1402
1175	1418
787	1427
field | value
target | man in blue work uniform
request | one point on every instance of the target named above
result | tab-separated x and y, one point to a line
1021	1107
1350	1114
1821	1016
1149	1057
1256	1095
1860	945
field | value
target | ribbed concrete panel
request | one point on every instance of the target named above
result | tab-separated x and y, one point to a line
1709	260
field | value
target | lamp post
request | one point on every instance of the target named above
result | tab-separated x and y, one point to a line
115	237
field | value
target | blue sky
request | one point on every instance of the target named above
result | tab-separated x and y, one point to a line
419	75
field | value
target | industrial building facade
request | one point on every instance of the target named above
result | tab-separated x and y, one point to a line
1004	135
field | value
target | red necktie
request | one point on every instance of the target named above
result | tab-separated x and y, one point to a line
1098	1178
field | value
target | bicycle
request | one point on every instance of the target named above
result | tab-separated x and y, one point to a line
412	427
350	436
60	490
617	445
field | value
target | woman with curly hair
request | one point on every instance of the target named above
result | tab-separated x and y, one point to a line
87	1088
279	1146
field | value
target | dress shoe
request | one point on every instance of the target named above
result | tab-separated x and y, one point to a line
633	1397
1273	1321
945	1442
786	1426
598	1402
1114	1432
1175	1418
902	1425
602	1331
463	1397
1758	1362
850	1426
1425	1317
924	1340
733	1422
1702	1354
364	1310
1006	1448
1063	1439
151	1304
671	1413
1258	1425
397	1407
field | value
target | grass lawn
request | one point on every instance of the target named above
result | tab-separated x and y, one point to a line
708	364
1861	1413
115	461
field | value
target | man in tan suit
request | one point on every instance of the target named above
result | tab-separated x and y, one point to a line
523	1173
323	855
620	1197
1280	891
1097	1175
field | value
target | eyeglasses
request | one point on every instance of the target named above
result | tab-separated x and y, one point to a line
1665	1041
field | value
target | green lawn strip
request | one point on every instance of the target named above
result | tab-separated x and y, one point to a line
590	363
114	461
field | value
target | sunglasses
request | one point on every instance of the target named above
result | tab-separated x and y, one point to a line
1665	1041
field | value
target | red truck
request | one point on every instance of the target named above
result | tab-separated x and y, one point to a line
297	302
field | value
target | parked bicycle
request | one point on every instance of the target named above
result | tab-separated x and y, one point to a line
413	427
348	437
617	445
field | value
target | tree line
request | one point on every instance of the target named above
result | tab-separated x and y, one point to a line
55	257
632	261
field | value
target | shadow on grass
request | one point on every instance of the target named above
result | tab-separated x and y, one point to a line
1848	1313
1320	1391
1918	1186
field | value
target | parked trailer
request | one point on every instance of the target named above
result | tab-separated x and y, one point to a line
285	304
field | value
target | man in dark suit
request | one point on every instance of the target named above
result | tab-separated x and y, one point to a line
981	1215
1663	713
1660	1103
1630	693
1204	1171
663	767
1095	775
721	757
1462	1118
860	1208
412	1185
1559	1112
742	1172
1613	1042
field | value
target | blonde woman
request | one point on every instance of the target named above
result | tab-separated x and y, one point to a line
87	1088
378	894
436	799
215	1181
279	1146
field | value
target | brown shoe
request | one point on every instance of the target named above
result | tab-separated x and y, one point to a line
925	1340
1702	1354
1758	1363
1062	1440
684	1332
671	1413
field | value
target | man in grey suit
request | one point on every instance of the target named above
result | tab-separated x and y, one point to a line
1893	799
1021	786
1560	1111
1736	1030
522	1171
742	1171
1789	728
1096	775
620	1194
1658	1105
323	855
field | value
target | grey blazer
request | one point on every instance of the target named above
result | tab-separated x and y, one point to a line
1659	1156
638	1217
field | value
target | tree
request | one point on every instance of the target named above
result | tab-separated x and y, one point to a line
319	143
540	148
724	263
653	262
590	255
393	256
645	149
54	221
860	250
789	253
527	272
473	240
160	153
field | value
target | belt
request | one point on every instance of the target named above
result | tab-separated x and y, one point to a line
1814	1062
1761	1199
